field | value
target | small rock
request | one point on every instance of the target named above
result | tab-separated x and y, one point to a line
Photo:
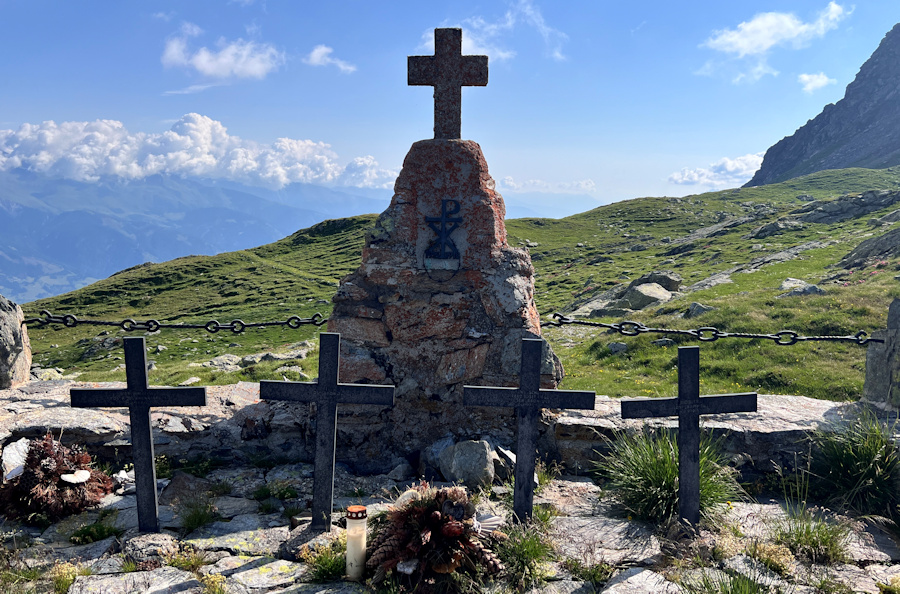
663	342
697	309
190	381
401	472
617	347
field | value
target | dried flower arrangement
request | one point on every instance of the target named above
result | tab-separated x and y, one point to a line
57	481
431	533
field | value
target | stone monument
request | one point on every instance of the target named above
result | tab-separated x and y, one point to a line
440	299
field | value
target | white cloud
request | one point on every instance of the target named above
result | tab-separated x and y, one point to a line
538	185
163	16
723	173
814	82
752	40
195	146
321	56
231	59
483	37
190	90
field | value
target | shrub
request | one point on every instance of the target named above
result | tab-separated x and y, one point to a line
62	576
40	495
186	558
597	574
858	466
642	470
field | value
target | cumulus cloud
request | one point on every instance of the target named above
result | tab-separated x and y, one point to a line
321	56
230	59
483	37
195	146
538	185
723	173
752	41
814	82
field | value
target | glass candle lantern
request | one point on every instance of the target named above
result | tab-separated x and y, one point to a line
356	542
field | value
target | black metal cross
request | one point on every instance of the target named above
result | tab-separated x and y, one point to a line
327	393
447	71
528	400
688	407
138	397
443	248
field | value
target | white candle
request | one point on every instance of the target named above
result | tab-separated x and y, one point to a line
356	542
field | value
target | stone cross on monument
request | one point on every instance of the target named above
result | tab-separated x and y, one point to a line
447	71
138	397
528	400
688	407
327	393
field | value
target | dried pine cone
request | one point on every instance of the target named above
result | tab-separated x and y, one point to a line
389	549
485	557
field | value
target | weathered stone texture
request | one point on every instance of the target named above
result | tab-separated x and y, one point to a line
15	348
429	325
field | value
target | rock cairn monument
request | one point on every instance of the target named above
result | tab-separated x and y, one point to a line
440	299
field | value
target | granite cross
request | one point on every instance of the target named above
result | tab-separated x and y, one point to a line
528	399
327	393
138	397
688	407
447	71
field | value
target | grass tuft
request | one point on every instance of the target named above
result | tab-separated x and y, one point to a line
642	471
858	466
327	562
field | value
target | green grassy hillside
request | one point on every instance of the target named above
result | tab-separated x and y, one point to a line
574	258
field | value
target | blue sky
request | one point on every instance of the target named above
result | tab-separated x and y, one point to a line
612	99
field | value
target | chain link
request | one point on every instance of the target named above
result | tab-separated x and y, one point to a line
212	326
708	333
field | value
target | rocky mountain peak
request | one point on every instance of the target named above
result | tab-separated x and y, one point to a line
860	130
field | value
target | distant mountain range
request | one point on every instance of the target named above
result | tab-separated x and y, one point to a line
57	235
860	130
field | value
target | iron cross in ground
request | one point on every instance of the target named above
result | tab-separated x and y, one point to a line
138	397
327	393
688	407
447	71
528	400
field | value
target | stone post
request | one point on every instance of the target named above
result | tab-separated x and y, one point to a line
883	364
15	348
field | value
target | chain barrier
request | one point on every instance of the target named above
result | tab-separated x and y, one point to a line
625	328
212	326
708	333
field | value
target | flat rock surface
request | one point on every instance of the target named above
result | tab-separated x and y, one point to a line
610	540
248	534
165	580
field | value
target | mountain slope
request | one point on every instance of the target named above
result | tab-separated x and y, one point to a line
860	130
576	259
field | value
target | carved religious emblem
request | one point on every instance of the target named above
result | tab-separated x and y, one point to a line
443	254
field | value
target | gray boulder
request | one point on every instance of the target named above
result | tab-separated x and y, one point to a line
468	462
774	228
670	281
796	288
697	309
617	347
15	348
640	296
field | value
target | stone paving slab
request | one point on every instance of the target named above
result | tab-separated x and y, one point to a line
600	539
165	580
249	534
640	581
